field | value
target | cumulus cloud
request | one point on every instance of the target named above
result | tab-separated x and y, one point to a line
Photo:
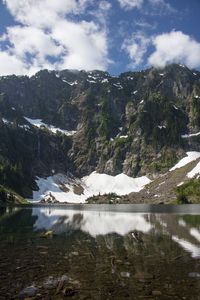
54	40
136	47
85	44
130	4
32	41
11	65
28	12
175	47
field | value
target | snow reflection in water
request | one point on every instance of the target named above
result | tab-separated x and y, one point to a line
98	223
189	247
116	252
92	222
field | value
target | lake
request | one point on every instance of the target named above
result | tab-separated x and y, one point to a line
100	252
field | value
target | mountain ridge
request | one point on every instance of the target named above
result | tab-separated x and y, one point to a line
139	123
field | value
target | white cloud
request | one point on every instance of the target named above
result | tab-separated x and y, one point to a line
130	4
148	7
11	65
136	47
29	12
160	7
175	47
85	44
145	25
54	40
105	5
32	41
101	12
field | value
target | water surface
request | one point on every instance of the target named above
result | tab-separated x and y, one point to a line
101	252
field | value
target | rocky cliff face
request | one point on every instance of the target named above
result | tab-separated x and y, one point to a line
138	123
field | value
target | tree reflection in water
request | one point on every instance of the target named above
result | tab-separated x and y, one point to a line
104	255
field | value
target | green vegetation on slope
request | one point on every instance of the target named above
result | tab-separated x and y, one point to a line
132	123
9	197
189	192
24	154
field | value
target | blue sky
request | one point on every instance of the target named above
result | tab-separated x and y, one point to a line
112	35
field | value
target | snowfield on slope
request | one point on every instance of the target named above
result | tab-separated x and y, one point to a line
66	189
195	172
39	123
191	156
185	136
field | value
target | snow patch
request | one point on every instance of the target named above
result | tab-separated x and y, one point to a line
91	81
195	233
118	85
105	80
70	83
92	77
5	121
194	172
91	185
181	222
185	136
26	127
35	122
191	156
39	123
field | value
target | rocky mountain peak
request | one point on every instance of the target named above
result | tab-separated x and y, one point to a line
136	123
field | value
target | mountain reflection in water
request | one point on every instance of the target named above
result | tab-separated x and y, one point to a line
56	252
92	222
102	223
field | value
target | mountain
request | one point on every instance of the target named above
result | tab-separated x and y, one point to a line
76	122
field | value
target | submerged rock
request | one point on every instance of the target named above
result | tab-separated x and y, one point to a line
156	293
29	291
69	291
56	283
194	275
47	234
62	282
125	274
50	283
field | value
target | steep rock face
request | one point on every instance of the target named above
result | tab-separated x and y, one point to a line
133	123
27	152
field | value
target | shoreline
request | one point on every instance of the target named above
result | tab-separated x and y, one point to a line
129	208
